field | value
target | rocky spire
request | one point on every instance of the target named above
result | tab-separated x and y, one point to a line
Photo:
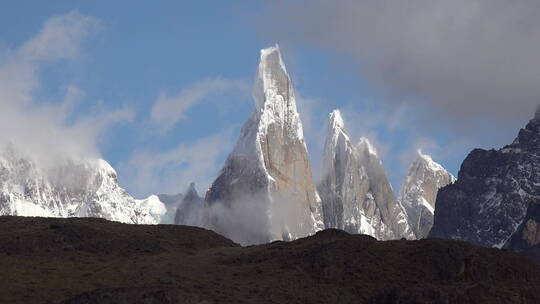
419	192
189	210
268	174
356	195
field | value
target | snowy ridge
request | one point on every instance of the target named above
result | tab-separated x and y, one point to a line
429	162
80	188
418	192
364	144
355	192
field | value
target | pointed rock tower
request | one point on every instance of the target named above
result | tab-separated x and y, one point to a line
189	211
265	190
419	192
356	195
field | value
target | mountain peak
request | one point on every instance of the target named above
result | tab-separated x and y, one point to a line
335	119
365	145
418	192
537	113
269	166
272	83
430	163
191	191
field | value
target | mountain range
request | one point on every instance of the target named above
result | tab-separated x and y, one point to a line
265	190
495	200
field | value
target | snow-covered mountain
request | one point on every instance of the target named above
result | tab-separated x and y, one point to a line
419	192
189	211
496	196
355	192
72	188
265	190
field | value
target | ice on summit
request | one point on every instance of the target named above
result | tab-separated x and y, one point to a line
419	192
268	172
72	188
356	195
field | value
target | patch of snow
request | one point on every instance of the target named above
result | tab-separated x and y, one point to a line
26	208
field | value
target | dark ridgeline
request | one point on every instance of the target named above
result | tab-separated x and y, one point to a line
86	260
495	201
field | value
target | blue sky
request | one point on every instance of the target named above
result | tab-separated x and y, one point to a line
204	54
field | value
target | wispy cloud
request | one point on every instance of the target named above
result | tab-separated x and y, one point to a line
48	130
149	171
168	110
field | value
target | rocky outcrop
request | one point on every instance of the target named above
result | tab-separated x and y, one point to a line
265	190
528	233
355	192
69	188
496	194
189	211
418	193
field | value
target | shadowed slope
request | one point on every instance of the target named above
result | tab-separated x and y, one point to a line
83	260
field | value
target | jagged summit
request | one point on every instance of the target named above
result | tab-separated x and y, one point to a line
419	192
426	159
189	211
72	187
269	168
537	113
336	121
495	195
356	195
191	191
272	80
365	145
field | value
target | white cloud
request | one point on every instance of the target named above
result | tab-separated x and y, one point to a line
48	130
149	172
168	110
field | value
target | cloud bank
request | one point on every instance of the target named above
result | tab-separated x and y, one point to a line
464	61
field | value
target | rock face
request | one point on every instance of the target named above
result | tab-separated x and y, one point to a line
74	188
496	195
528	233
189	211
419	192
355	192
266	181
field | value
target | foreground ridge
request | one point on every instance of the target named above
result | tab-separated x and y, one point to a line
97	261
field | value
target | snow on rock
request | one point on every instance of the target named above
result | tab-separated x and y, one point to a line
355	192
265	190
495	196
70	188
419	192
